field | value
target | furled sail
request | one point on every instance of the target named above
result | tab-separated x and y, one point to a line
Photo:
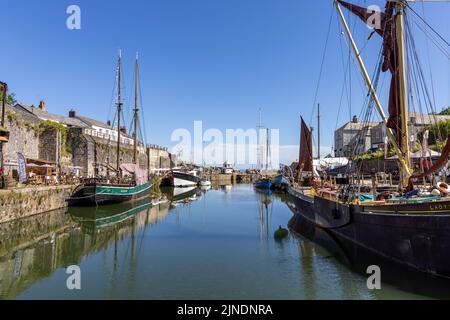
388	31
306	150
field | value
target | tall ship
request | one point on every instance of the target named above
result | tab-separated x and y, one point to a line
408	224
130	182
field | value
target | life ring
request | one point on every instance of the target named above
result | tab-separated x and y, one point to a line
443	187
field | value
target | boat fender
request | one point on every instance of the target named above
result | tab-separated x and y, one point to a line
443	187
436	193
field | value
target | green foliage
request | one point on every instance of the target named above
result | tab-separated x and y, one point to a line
11	117
445	112
10	99
437	133
377	155
55	126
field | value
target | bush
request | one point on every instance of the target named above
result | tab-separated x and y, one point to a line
437	133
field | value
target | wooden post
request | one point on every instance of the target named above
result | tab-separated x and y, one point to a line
374	187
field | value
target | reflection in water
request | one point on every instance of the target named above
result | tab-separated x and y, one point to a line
32	249
358	260
264	205
195	245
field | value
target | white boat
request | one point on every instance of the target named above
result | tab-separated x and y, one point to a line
205	183
183	179
227	168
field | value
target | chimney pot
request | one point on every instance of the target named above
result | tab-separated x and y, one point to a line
42	105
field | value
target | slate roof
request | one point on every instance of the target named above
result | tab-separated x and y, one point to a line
26	116
92	122
44	115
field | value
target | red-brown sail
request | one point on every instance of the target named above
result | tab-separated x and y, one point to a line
306	150
388	31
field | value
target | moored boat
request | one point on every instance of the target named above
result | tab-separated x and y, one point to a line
117	189
100	192
263	183
409	227
280	183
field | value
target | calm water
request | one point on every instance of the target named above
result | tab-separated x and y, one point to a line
213	245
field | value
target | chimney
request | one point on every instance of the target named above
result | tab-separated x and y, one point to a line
42	106
108	123
72	113
355	119
123	130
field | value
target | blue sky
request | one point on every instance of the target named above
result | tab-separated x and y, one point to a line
218	61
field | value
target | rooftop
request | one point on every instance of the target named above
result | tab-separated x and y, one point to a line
357	125
92	122
44	115
427	119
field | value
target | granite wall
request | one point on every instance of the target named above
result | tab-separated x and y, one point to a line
21	203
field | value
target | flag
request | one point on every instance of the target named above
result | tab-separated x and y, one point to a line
22	168
386	147
426	136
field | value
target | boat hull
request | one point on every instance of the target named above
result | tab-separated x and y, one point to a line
413	235
264	185
183	180
93	194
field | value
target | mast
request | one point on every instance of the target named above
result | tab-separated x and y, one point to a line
403	99
259	151
136	110
119	110
267	149
318	131
403	164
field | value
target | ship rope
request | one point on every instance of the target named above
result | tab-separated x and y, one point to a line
418	83
324	53
367	111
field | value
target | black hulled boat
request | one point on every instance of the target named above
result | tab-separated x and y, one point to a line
410	230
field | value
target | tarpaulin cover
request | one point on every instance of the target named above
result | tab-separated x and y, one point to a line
140	175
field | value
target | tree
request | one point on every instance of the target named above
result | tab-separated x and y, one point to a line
438	134
10	99
445	112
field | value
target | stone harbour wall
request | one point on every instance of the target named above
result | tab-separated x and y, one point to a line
21	203
23	135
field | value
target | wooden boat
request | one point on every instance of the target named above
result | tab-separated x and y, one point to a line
101	191
280	183
358	258
263	183
181	179
411	232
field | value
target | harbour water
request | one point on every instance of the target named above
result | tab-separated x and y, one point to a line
217	244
